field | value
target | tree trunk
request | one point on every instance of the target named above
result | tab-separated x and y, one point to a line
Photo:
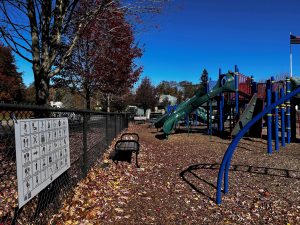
41	89
88	99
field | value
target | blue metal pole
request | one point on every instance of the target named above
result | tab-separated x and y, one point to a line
272	83
236	69
220	104
273	111
288	111
186	119
236	82
207	112
269	126
282	119
276	122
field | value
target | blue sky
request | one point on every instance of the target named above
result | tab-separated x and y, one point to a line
212	34
194	34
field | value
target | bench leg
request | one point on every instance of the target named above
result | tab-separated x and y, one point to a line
136	160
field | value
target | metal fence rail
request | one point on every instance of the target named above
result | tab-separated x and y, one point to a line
90	133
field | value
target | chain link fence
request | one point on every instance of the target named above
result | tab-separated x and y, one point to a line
90	133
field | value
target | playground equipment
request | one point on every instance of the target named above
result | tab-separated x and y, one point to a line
224	84
257	103
294	85
239	87
246	116
239	100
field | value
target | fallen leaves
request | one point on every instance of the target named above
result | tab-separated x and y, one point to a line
157	194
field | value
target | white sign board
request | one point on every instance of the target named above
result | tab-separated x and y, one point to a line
42	152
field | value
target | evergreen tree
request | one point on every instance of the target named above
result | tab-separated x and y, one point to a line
204	79
146	94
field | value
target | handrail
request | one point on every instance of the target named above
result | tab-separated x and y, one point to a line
224	168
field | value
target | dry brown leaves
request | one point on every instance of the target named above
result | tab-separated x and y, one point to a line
8	187
176	185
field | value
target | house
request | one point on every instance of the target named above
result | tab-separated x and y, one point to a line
169	98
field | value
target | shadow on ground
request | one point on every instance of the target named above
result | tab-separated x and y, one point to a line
268	171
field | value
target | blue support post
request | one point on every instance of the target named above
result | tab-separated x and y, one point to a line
186	119
236	84
169	109
269	125
222	112
276	122
288	111
272	83
273	111
196	118
236	69
207	108
221	106
282	119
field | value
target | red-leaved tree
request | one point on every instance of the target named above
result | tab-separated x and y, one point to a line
11	83
103	59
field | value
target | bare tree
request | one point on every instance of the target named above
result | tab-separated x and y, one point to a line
35	30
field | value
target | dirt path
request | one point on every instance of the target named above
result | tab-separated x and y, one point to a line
176	185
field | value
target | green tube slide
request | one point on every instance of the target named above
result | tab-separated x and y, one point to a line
168	121
202	113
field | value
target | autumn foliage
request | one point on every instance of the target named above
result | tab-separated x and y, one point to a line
11	83
103	59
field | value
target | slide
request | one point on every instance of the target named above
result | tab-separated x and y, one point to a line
226	83
246	116
202	113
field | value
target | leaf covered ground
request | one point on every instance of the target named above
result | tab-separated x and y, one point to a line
176	184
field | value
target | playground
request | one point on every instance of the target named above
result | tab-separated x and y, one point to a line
176	184
187	169
227	155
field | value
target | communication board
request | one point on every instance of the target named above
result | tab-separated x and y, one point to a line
42	153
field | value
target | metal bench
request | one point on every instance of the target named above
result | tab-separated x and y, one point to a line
124	148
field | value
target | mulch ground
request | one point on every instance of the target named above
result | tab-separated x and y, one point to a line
176	184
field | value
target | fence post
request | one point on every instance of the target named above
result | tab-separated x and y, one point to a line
85	129
120	123
116	125
123	119
106	128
